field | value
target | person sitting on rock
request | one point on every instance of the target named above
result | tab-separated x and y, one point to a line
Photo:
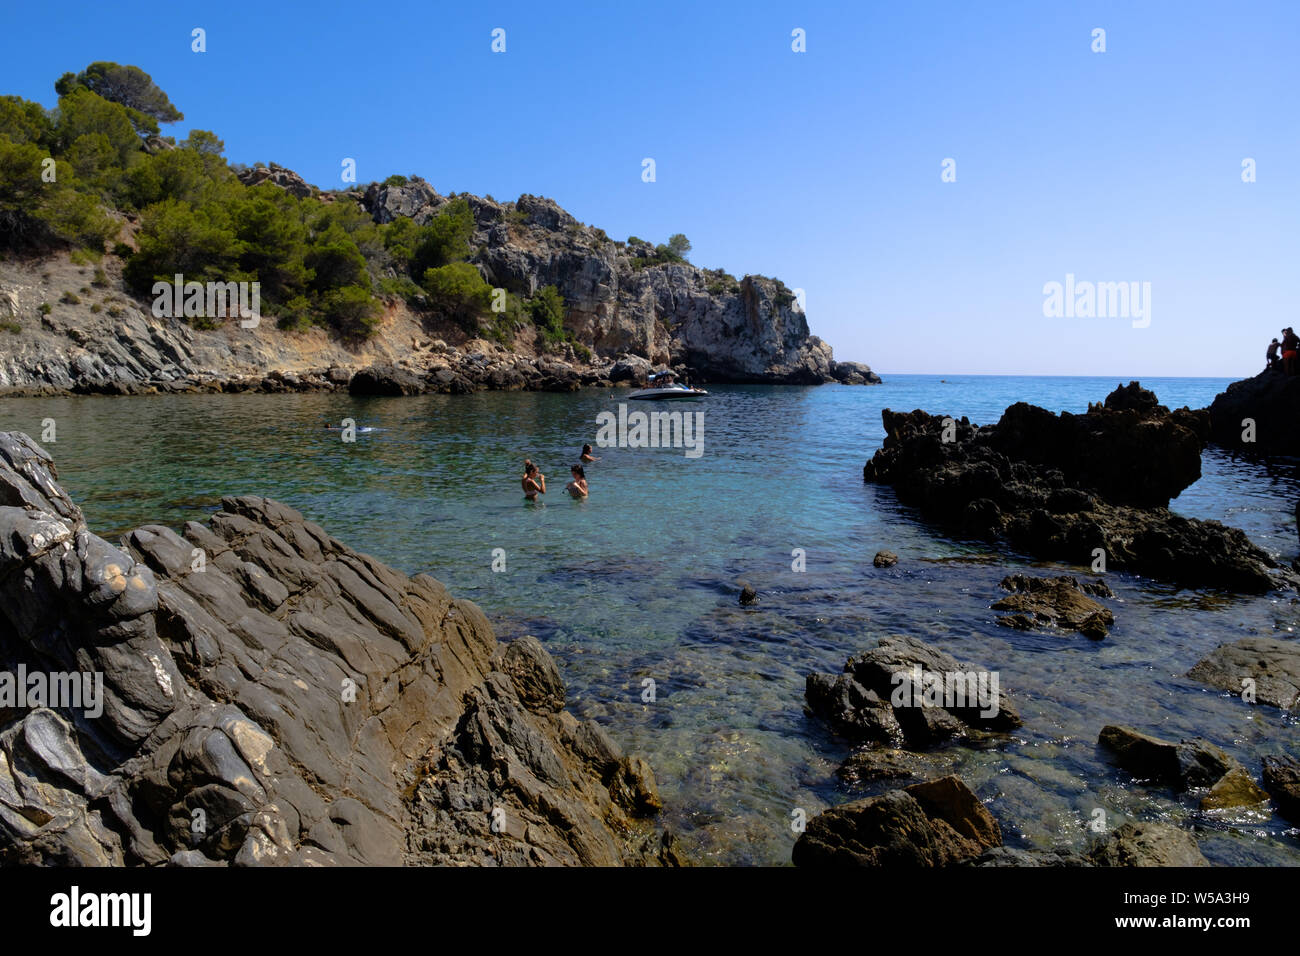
578	486
534	482
587	456
1270	357
1290	342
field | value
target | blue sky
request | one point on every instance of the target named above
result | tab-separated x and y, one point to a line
821	168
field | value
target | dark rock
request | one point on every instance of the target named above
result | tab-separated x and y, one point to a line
537	679
904	692
1271	400
747	594
1273	666
1234	789
854	373
1282	781
385	380
885	559
1007	856
1061	601
1182	765
939	823
1062	487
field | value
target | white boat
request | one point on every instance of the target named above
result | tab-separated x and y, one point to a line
664	388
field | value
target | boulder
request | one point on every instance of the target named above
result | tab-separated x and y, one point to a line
1282	781
1271	400
385	380
1182	765
854	373
1073	487
884	559
1147	844
933	824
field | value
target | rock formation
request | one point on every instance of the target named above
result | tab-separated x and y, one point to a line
1263	409
271	696
1060	601
1186	765
1074	488
1272	666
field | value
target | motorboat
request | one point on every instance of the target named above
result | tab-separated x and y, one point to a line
663	387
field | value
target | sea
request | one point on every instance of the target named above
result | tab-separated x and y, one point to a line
634	590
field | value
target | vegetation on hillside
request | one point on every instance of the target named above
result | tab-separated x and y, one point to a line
70	176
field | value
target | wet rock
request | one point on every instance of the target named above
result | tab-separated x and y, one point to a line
870	765
904	692
1282	781
1008	856
1060	601
1272	665
748	595
301	701
939	823
884	559
1147	844
1062	487
1182	765
1234	789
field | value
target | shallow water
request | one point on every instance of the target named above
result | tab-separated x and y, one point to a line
638	582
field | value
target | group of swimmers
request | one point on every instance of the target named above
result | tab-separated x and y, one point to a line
1290	348
534	482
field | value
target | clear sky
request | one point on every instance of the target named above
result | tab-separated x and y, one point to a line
822	168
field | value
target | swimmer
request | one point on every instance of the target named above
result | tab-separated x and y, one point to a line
587	456
578	486
534	482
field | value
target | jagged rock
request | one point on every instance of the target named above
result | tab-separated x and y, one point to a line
938	823
1272	665
385	380
854	373
1147	844
1182	765
286	179
904	692
747	594
1061	601
1282	781
414	199
286	700
884	559
1271	400
1061	487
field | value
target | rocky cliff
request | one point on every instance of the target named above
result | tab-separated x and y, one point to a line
72	327
1258	414
270	696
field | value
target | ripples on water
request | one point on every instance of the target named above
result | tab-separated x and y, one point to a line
639	581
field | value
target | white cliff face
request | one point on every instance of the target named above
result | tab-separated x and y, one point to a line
748	330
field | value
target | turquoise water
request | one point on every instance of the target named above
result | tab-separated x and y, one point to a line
639	581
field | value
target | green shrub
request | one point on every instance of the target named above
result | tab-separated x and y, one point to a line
96	308
395	180
458	292
546	309
351	312
45	308
116	311
12	327
70	298
101	279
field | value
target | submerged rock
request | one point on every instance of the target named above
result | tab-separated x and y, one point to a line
1282	781
933	824
1077	488
272	696
1061	601
1147	844
885	559
1272	666
1182	765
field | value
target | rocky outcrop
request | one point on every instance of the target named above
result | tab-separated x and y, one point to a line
854	373
1271	666
1147	844
276	175
905	693
932	824
271	696
1059	601
1076	488
1282	781
1258	414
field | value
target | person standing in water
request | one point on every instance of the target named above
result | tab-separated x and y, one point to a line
533	482
578	486
587	456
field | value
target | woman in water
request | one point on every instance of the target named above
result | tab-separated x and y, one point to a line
587	456
578	486
534	482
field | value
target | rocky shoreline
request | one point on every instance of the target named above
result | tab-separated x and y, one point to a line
272	697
